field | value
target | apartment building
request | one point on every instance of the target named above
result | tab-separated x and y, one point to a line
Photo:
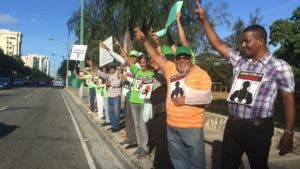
10	42
37	61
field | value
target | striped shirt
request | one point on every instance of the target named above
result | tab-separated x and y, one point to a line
277	74
187	116
115	89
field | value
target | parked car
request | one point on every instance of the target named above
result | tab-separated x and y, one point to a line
58	83
43	83
19	82
5	83
27	82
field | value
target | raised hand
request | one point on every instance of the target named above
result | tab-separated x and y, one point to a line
178	16
102	45
117	43
139	35
199	12
153	35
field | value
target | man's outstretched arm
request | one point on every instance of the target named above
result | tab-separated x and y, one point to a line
213	38
139	35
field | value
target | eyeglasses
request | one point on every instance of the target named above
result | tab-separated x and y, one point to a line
184	57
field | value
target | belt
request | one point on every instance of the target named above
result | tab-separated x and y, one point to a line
251	122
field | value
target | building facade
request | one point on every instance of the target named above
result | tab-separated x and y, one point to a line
40	62
10	42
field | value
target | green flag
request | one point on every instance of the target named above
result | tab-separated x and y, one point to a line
172	17
75	81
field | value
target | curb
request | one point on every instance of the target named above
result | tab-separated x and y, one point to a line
112	138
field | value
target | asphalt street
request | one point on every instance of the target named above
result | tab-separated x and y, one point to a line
42	128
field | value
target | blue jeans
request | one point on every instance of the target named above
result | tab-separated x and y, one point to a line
105	102
186	147
114	104
92	95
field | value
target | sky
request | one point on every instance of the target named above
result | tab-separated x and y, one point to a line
42	20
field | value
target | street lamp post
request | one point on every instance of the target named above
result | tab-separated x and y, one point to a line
81	43
67	74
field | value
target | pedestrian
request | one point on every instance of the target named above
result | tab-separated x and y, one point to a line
185	121
90	75
113	85
250	127
128	79
141	75
100	87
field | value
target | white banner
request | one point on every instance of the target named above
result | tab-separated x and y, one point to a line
104	56
78	52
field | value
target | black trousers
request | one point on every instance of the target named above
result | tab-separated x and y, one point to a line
252	137
159	127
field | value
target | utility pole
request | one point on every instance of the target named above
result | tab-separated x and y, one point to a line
81	43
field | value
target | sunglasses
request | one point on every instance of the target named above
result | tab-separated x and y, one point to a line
184	57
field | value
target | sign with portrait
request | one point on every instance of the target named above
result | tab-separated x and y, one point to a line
245	88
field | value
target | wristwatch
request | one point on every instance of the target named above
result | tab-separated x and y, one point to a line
289	131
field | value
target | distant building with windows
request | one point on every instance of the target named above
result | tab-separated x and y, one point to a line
10	42
37	61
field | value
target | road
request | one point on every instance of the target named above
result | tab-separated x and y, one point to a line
42	128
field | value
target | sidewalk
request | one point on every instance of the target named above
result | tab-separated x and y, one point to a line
115	138
213	142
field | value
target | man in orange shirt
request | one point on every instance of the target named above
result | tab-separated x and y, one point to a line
185	118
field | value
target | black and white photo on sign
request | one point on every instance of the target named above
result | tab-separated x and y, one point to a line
245	88
126	87
177	86
104	56
127	83
138	85
78	52
146	89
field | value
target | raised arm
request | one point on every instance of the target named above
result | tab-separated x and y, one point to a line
77	76
156	41
213	38
139	35
123	53
171	42
181	32
116	56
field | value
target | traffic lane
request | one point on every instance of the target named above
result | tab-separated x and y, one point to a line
15	95
41	135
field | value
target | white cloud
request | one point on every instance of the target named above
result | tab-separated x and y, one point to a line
7	19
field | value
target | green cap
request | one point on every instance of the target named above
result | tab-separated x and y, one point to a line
134	53
167	50
183	50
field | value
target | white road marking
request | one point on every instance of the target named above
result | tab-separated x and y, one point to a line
3	108
83	144
27	96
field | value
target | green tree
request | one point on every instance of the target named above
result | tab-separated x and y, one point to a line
286	34
235	40
104	18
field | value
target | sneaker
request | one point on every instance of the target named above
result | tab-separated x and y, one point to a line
114	130
142	155
137	151
130	146
126	141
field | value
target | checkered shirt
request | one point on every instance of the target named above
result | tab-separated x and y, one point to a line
277	75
